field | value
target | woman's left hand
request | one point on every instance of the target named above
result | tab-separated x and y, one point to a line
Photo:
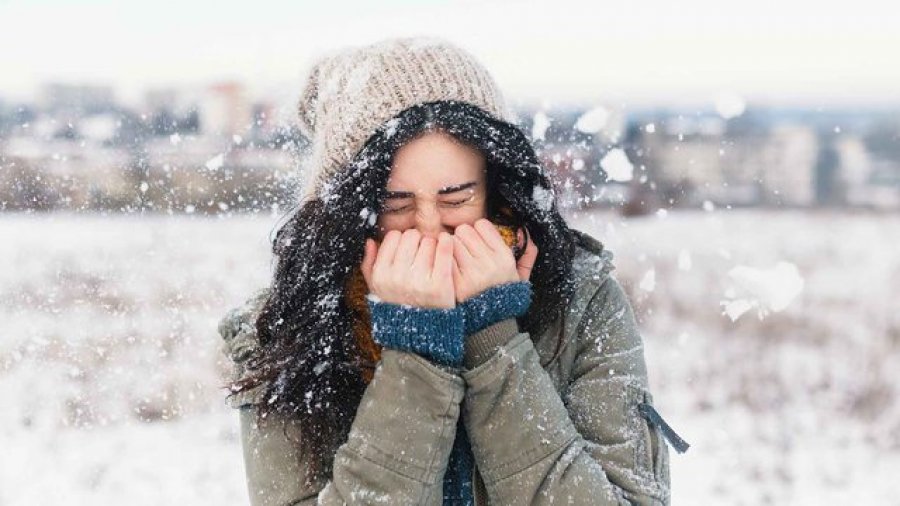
484	260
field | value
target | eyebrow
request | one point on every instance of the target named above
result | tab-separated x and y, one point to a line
443	191
399	195
456	188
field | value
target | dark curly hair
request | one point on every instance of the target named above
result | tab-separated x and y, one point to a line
308	359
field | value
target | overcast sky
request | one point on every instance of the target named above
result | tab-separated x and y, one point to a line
813	53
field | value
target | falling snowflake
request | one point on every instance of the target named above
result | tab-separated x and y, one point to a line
216	162
592	121
617	166
765	289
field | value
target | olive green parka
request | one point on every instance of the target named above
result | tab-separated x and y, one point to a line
548	423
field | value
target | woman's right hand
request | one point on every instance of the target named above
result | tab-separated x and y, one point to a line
409	268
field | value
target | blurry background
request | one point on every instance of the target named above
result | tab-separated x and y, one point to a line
742	162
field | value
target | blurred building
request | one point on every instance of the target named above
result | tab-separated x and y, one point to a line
225	110
787	166
76	100
863	176
215	140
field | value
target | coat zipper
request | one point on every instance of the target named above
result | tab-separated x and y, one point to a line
652	416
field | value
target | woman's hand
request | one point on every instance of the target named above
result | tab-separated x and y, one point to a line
526	261
484	260
408	268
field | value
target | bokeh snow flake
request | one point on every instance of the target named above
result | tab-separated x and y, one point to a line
617	166
541	122
648	281
684	260
730	105
592	121
216	162
764	289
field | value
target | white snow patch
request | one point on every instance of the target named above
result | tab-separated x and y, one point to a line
543	197
801	408
368	216
390	127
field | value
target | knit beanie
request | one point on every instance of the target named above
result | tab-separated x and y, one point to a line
352	93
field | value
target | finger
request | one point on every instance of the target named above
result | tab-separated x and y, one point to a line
368	262
443	258
457	274
424	260
491	236
526	262
406	250
457	280
387	250
461	254
473	241
521	238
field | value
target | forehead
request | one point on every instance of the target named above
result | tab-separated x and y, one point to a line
433	161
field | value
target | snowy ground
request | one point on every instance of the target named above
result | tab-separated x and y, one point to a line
111	372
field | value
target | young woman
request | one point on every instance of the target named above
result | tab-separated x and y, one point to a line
434	333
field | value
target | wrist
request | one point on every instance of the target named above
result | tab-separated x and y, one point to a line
481	345
433	333
497	303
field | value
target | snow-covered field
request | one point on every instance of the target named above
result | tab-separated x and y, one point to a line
773	340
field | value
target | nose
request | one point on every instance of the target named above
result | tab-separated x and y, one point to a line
429	222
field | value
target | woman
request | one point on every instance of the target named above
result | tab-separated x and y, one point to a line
434	332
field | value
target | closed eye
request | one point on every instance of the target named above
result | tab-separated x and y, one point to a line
457	203
394	210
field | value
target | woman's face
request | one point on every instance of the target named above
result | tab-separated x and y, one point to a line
436	184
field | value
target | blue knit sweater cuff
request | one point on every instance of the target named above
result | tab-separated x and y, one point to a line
499	302
435	334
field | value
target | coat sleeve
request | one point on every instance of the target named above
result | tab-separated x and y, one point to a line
397	449
586	446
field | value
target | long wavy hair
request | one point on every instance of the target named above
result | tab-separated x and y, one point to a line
308	359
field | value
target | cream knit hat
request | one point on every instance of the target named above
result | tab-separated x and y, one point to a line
350	94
